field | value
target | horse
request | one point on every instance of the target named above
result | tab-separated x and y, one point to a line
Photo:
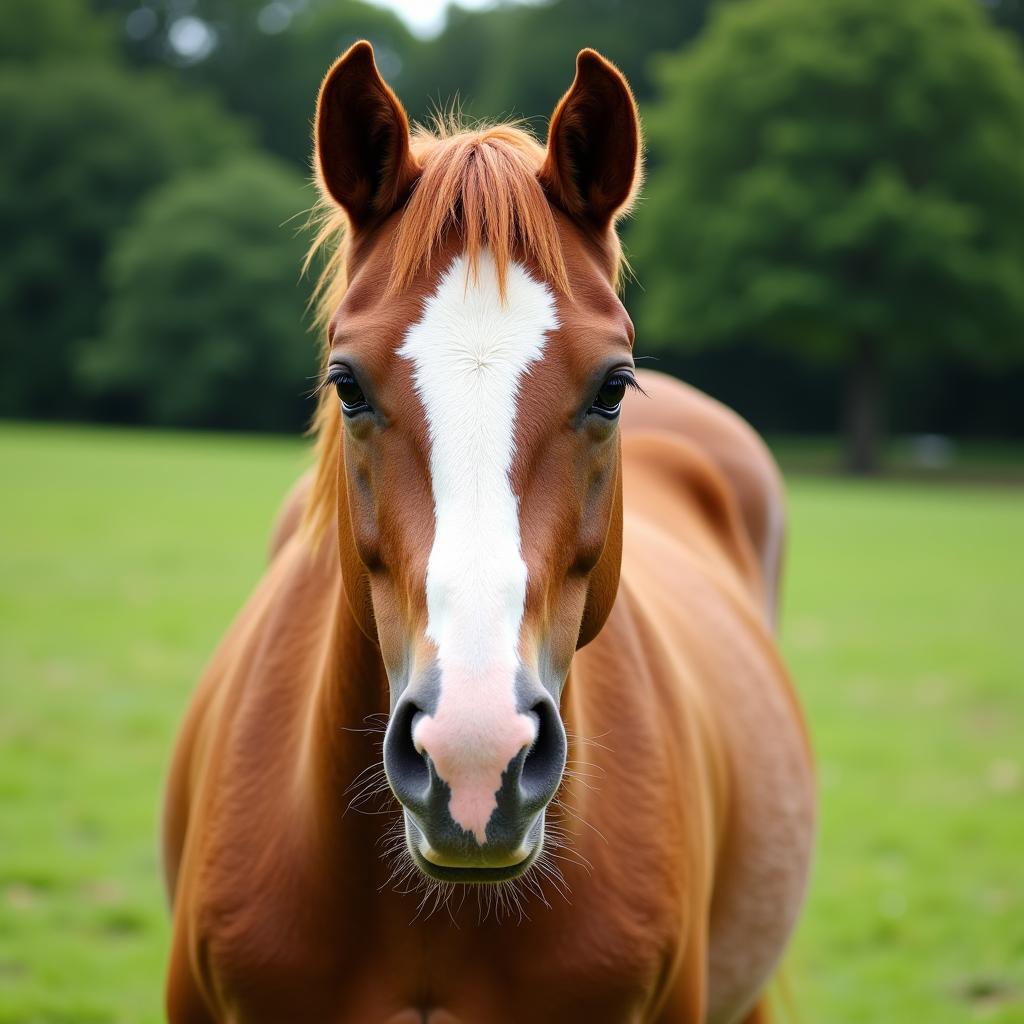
503	734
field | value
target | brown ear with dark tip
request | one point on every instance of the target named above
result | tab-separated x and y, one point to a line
592	166
363	158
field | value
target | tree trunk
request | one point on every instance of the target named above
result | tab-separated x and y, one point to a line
862	415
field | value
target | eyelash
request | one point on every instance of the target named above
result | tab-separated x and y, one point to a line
627	378
622	378
331	377
337	375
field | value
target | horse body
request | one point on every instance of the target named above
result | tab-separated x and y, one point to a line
675	854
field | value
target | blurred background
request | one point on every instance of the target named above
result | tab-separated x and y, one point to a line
830	240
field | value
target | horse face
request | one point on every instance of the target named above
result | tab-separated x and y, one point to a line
480	505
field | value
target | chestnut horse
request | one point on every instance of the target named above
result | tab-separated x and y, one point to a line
597	784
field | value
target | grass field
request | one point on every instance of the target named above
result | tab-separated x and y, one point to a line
124	555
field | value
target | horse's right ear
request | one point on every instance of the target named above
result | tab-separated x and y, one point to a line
363	158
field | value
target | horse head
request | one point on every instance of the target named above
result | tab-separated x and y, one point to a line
480	355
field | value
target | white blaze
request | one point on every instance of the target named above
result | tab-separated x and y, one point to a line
470	352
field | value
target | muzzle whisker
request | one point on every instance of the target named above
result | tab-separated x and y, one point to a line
572	856
358	803
371	771
550	871
510	901
531	882
575	738
576	764
371	787
395	846
564	808
568	773
462	902
448	904
438	892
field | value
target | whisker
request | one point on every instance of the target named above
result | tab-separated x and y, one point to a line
564	808
576	738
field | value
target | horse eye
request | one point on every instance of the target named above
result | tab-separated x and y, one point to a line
609	398
353	400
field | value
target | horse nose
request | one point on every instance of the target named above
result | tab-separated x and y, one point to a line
543	763
407	769
467	795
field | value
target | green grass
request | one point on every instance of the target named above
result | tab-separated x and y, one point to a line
124	555
902	626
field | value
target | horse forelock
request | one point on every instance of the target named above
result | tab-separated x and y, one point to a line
480	183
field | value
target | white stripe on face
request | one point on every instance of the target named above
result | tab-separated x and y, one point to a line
470	352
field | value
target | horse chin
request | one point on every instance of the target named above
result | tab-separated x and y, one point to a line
481	865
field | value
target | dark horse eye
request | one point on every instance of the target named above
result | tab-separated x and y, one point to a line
609	398
351	394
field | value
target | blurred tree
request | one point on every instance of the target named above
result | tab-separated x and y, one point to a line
264	58
842	179
275	78
530	62
204	326
1009	14
82	145
448	71
38	30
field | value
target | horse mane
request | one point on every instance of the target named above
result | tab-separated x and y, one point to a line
479	181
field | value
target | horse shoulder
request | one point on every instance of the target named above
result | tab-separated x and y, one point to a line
742	459
686	571
244	718
671	483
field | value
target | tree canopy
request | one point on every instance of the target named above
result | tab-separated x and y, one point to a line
48	30
205	321
844	179
82	145
825	178
266	60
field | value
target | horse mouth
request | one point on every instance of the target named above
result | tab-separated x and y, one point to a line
473	875
483	866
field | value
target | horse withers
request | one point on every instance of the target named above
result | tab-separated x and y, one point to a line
593	799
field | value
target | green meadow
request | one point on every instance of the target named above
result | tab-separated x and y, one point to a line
124	555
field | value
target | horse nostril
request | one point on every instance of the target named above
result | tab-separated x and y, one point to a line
406	767
545	760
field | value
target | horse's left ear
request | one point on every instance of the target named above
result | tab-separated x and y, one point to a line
363	157
592	166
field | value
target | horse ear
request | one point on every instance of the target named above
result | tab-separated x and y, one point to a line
363	158
592	166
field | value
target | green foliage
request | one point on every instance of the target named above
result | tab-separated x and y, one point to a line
518	59
510	59
892	203
266	60
205	322
47	30
273	78
1009	14
134	551
827	172
82	145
